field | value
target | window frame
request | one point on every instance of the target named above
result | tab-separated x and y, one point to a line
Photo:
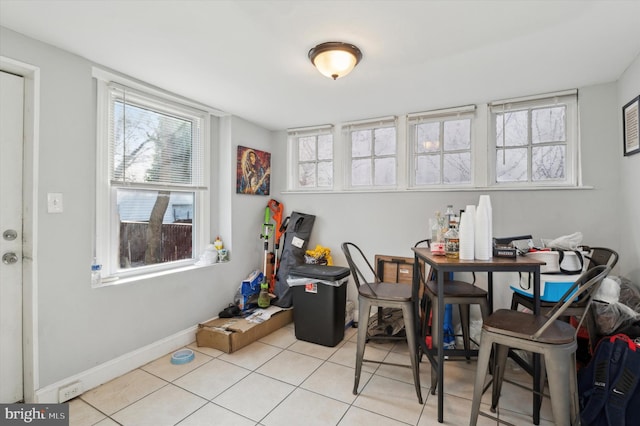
294	162
440	116
569	99
370	125
106	215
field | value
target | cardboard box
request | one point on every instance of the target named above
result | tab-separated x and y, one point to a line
231	334
394	269
349	312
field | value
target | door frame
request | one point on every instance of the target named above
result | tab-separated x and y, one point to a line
31	75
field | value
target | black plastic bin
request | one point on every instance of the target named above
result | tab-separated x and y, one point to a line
319	302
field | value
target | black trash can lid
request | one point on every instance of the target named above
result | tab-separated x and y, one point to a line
320	272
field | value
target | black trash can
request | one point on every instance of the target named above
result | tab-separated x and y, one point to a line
319	302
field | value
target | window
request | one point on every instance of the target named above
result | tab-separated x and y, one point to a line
373	153
523	143
440	147
313	152
534	140
152	182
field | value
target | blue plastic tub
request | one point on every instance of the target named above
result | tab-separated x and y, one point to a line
552	287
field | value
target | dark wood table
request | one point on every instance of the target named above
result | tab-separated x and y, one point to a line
442	265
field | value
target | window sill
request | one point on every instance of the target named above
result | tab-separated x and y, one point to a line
444	189
128	279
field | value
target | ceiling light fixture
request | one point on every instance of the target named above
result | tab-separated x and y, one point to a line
334	58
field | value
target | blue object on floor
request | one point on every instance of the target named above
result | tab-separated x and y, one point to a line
449	338
183	356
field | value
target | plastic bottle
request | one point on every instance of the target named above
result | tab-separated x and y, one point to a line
436	229
263	297
449	214
437	235
444	227
96	275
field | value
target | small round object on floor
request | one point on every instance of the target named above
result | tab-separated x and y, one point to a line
183	356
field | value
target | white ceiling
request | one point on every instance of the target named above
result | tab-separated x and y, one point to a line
249	58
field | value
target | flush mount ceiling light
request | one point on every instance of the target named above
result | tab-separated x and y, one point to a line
334	58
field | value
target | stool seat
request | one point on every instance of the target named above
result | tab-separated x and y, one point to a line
523	325
387	291
456	288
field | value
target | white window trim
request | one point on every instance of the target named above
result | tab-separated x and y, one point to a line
346	129
106	233
446	114
293	159
572	171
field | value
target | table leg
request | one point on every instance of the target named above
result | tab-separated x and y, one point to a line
419	323
415	291
440	344
490	291
536	292
537	398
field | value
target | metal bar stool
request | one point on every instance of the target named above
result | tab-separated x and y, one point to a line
372	292
546	335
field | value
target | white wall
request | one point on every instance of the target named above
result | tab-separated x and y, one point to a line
78	327
629	88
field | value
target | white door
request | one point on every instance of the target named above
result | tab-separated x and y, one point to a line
11	146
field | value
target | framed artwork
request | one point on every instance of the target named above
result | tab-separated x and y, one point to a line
253	171
631	138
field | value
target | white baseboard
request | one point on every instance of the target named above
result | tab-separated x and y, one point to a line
116	367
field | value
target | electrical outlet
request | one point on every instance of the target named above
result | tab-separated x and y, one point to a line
69	391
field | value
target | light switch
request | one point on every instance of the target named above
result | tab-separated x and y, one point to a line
54	202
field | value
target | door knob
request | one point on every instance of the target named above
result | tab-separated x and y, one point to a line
9	258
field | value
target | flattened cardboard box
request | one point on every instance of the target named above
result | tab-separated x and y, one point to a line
231	334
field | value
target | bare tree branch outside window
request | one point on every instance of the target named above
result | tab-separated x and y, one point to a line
531	144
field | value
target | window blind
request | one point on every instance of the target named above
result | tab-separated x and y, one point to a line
369	124
417	117
153	142
307	131
546	99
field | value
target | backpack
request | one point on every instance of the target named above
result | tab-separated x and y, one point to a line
608	387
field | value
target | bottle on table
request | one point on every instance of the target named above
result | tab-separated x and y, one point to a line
452	241
436	229
449	215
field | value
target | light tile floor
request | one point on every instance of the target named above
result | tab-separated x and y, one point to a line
280	380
